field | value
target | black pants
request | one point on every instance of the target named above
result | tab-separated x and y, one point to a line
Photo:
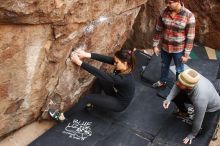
210	118
209	123
106	102
180	101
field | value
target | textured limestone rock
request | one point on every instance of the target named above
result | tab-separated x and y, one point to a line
207	13
36	37
103	37
61	11
22	83
143	28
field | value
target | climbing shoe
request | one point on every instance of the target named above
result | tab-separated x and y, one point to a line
89	107
56	115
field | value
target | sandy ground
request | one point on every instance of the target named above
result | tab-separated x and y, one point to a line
29	133
216	142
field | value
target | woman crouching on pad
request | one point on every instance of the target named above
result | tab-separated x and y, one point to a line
119	86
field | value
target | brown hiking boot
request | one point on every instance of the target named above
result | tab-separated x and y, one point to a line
180	114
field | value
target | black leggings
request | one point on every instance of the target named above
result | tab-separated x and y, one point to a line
106	102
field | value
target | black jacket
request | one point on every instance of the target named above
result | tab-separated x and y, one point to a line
124	84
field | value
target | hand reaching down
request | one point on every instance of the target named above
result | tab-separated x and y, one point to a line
188	139
166	104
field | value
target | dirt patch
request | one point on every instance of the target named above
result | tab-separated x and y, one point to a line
27	134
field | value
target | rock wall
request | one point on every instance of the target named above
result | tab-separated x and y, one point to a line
207	13
142	33
36	37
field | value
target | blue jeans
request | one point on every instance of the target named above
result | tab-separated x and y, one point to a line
166	60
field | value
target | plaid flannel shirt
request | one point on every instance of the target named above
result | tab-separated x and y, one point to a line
175	34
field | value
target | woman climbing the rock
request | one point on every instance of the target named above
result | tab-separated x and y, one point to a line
119	86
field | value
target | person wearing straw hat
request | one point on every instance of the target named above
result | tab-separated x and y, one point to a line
199	92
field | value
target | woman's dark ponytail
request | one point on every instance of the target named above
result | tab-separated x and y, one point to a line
126	55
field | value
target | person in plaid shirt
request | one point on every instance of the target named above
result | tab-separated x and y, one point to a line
174	33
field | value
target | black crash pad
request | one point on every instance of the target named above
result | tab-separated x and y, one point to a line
141	61
151	73
143	123
145	112
134	126
174	131
76	130
200	52
120	135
